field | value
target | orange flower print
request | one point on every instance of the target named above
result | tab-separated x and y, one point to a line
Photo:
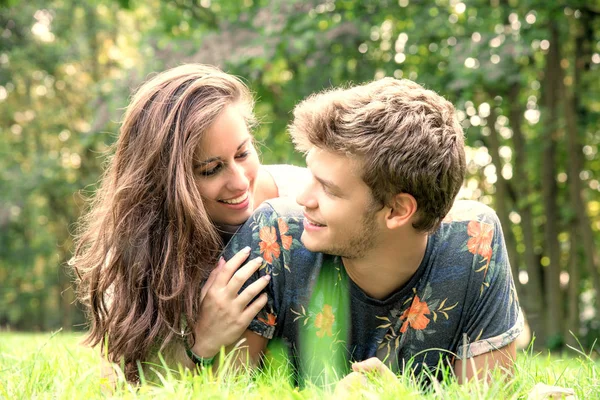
271	319
481	239
269	247
324	321
415	315
286	240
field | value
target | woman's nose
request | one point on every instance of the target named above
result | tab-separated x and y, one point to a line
239	179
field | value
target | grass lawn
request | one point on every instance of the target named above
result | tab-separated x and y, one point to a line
47	366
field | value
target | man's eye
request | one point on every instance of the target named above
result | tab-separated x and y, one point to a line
328	192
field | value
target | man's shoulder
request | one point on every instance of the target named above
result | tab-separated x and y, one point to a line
470	210
281	215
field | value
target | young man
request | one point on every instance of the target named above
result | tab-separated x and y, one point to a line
379	260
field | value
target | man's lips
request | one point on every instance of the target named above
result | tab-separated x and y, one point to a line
312	222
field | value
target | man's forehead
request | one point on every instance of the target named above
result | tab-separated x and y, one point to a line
310	153
348	160
333	166
318	155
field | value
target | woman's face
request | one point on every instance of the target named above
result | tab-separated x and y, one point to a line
226	166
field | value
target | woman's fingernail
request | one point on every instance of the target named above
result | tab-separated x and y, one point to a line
246	249
267	277
258	260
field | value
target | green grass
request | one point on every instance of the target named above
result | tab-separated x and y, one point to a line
46	366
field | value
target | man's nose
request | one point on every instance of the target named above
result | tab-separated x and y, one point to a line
306	196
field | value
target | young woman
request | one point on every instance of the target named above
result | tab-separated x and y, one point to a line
184	175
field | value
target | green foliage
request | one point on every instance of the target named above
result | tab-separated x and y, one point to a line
67	69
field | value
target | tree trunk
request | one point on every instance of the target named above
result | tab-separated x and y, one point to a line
534	301
573	323
91	20
67	296
575	166
501	200
552	77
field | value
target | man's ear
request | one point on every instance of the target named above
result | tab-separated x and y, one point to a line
401	209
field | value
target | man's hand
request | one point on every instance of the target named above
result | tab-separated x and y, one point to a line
350	386
225	315
375	367
357	380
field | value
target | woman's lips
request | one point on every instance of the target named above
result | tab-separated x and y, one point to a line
237	203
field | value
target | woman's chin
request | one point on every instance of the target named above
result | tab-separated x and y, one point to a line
237	219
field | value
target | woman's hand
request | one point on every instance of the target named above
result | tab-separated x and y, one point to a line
225	315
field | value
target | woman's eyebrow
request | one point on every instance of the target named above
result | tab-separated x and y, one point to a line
213	159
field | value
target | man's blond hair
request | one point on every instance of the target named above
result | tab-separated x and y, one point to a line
407	139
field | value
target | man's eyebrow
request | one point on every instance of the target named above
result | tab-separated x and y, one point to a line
213	159
328	184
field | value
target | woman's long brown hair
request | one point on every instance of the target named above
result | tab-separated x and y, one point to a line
147	243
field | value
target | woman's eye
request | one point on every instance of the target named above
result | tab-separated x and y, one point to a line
243	155
211	171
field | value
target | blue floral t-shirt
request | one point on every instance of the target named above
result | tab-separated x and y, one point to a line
460	303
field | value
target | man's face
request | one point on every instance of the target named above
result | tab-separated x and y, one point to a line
340	214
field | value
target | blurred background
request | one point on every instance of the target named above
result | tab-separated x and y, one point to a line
524	76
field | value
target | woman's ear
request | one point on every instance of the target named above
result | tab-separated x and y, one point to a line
402	207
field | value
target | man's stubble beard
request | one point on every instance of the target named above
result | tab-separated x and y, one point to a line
359	243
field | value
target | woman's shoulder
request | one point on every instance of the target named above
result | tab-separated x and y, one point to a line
289	179
284	170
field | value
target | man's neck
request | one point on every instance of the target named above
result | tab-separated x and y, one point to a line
388	266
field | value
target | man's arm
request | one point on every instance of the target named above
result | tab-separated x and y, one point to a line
495	319
481	366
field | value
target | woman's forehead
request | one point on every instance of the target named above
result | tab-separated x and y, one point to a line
226	136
